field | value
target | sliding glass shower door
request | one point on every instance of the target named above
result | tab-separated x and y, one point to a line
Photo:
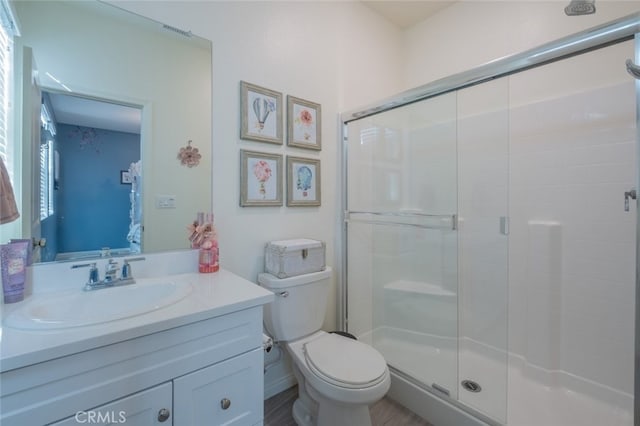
430	298
402	239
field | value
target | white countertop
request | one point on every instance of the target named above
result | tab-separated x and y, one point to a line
213	295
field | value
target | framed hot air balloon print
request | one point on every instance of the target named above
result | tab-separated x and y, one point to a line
260	179
261	114
303	182
303	123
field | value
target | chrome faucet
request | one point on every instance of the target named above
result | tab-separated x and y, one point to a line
111	271
110	274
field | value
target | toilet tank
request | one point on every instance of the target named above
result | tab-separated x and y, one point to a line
300	304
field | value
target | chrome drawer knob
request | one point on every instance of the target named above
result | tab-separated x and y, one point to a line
163	415
225	403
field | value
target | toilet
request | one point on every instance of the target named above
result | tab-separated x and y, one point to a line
338	377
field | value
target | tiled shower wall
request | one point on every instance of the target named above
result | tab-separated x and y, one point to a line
572	246
570	140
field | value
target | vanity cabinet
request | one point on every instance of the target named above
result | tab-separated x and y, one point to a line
151	407
206	372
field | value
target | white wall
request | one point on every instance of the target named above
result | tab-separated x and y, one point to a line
339	54
471	33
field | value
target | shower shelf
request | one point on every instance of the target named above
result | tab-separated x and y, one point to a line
416	220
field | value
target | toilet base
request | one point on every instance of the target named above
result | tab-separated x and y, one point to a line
301	414
332	413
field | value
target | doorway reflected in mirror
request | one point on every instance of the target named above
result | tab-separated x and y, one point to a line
86	210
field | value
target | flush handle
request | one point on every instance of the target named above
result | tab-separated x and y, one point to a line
629	195
305	253
283	294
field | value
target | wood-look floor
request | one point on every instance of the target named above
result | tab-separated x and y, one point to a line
386	412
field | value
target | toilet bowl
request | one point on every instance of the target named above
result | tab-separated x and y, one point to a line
341	375
338	377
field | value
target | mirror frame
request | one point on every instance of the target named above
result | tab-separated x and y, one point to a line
159	148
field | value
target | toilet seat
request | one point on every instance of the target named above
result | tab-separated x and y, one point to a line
344	362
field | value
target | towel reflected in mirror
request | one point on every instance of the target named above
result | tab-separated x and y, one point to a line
8	208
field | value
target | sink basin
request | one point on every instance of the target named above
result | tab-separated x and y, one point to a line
82	308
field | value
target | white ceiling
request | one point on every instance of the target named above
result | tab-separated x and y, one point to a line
407	13
85	112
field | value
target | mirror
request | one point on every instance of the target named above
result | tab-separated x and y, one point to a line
97	52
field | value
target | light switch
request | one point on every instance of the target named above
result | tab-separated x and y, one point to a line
165	201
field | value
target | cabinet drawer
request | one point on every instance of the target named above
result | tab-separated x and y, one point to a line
140	409
228	393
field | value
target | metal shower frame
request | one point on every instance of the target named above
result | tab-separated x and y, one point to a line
619	30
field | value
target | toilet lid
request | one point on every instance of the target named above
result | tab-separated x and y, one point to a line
344	362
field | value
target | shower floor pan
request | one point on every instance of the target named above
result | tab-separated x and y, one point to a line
531	402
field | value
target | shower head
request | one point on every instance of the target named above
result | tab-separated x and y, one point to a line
580	7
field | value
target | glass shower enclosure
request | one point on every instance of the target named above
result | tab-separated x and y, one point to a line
489	238
410	192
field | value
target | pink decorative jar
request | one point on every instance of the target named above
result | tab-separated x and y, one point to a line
208	255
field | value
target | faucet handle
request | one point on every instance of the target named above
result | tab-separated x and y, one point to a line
93	272
126	268
94	276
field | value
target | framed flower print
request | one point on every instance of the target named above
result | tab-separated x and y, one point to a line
304	120
261	114
303	182
260	179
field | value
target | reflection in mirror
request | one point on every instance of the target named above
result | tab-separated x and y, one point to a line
92	50
90	177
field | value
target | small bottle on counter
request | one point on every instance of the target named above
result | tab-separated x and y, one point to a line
208	255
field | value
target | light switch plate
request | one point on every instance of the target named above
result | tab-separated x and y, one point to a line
165	201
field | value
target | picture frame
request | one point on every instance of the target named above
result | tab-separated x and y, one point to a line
260	114
303	182
125	177
304	123
260	179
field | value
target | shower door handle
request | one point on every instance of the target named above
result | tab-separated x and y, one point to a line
632	68
627	195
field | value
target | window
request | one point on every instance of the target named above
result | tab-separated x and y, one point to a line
47	153
46	180
6	44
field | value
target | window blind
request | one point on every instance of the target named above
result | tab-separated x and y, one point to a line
8	30
5	84
46	180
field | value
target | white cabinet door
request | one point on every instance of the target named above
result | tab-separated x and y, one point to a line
227	393
146	408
